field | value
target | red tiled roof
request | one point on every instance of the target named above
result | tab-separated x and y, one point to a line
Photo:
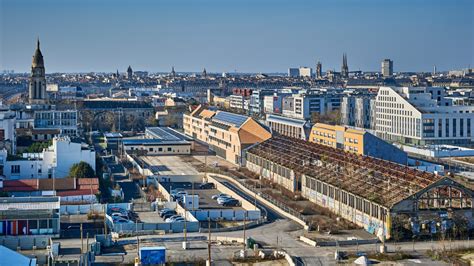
18	189
87	181
60	184
76	192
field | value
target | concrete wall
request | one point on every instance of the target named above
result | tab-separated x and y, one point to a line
25	242
142	170
288	183
176	178
191	226
228	215
81	209
369	223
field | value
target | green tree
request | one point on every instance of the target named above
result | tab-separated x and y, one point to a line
81	170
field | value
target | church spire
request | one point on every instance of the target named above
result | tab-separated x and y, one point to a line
345	67
37	85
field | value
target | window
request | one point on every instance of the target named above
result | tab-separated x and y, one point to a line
15	169
150	149
160	149
169	148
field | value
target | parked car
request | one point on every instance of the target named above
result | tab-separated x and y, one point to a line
176	190
207	186
116	209
178	195
172	212
178	220
221	200
168	215
231	203
164	210
118	214
120	220
214	197
172	218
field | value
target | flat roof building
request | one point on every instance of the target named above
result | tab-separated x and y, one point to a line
422	116
356	141
290	127
30	216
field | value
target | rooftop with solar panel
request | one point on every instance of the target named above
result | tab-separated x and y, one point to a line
230	119
159	141
165	133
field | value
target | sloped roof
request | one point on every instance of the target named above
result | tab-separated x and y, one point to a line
230	118
10	257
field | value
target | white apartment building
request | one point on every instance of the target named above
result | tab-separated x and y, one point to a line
7	131
272	104
422	115
355	111
302	105
55	161
305	72
236	101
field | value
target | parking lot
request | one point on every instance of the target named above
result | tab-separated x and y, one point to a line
205	195
150	217
169	165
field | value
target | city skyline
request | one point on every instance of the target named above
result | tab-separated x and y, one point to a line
215	35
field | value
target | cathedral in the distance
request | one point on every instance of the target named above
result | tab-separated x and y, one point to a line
37	86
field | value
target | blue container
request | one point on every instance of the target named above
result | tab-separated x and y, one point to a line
152	255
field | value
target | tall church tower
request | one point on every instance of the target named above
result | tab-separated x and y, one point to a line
129	73
345	67
37	86
319	70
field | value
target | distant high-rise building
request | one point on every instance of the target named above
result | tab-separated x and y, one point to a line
129	72
319	70
387	68
293	72
204	72
345	67
306	72
37	86
173	73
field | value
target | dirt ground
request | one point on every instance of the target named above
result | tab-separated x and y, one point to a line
465	159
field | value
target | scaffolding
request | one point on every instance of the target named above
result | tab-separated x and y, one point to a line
380	181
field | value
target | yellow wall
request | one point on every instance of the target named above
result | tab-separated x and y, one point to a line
325	134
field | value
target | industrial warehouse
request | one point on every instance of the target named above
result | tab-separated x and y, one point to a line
364	190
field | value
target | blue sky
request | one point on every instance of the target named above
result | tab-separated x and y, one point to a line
228	35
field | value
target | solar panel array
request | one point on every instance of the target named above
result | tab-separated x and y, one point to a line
230	118
165	133
162	134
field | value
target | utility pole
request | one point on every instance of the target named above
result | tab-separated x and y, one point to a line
209	240
105	222
82	241
87	242
245	221
185	243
